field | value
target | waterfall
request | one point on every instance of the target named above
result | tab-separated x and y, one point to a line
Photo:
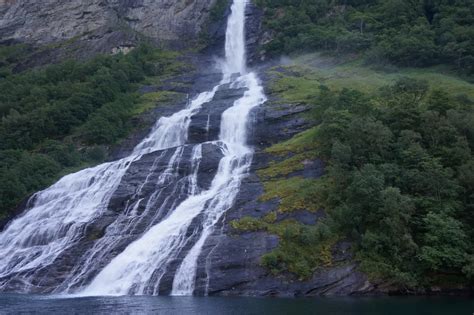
232	168
235	61
57	217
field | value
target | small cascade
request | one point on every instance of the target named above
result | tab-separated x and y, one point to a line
155	228
233	167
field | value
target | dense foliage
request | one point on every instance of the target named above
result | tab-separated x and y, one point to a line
398	187
60	116
400	181
404	32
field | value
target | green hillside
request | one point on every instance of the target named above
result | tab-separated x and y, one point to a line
61	118
400	172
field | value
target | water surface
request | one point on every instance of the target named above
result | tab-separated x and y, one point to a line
34	304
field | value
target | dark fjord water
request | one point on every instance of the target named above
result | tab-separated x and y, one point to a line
30	304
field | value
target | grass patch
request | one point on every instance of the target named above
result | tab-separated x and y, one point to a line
171	63
301	142
287	166
299	82
295	85
152	100
295	193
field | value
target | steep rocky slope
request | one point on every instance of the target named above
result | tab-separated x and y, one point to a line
53	21
80	29
231	263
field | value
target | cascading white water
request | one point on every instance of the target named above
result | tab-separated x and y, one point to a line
60	214
235	60
233	167
132	270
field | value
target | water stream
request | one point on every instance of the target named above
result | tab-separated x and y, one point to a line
175	231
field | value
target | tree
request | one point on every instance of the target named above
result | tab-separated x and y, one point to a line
445	242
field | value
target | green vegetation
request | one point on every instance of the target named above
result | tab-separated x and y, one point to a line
299	83
149	100
302	249
399	180
402	32
11	56
62	118
294	193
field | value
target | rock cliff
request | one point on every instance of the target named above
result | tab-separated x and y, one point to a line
52	21
81	29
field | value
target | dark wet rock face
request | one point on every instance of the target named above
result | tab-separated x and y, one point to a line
205	125
254	30
203	78
230	262
143	197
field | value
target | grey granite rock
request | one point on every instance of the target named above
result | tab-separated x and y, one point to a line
55	30
49	21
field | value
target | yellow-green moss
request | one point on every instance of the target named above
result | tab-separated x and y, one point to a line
287	166
270	217
294	193
151	100
302	142
248	224
295	84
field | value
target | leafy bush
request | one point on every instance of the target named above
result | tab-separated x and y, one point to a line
399	184
400	180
